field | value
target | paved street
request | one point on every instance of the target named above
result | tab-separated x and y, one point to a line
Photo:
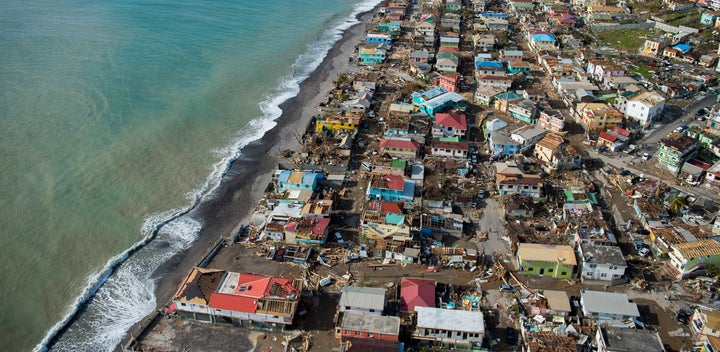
492	222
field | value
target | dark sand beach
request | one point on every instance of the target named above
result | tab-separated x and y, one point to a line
245	181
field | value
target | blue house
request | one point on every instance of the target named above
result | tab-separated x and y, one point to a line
502	145
302	180
518	66
389	26
682	48
390	188
378	38
436	99
708	18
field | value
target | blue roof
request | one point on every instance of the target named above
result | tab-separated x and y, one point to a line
284	176
508	96
395	219
310	177
409	190
543	37
682	47
493	64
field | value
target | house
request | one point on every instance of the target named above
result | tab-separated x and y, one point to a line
390	187
334	120
555	155
612	339
519	207
456	150
598	117
318	208
648	212
399	147
492	68
501	82
619	82
449	326
449	81
527	136
368	326
301	180
449	125
607	305
484	42
705	327
425	29
547	147
551	120
601	264
389	26
557	261
511	55
484	95
685	258
523	110
378	38
447	40
542	40
307	230
610	141
558	302
493	125
416	292
501	144
527	185
655	46
446	65
419	56
709	18
371	55
493	24
215	295
644	107
436	99
519	67
362	300
675	150
503	101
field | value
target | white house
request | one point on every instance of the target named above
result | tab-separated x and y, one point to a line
449	125
369	300
643	107
457	150
607	305
449	326
528	135
604	264
612	339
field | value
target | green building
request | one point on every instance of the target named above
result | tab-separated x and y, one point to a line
556	261
675	150
688	257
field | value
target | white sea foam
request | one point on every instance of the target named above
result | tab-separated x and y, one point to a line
122	292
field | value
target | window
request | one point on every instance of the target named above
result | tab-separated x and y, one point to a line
357	333
592	266
603	275
183	304
347	332
550	270
370	334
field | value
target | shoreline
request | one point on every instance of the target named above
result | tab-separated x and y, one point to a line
235	199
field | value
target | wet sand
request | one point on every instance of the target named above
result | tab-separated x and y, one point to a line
247	178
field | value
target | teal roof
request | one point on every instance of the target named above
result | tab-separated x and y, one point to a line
580	197
395	219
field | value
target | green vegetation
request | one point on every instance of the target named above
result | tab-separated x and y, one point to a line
651	6
641	69
629	40
690	18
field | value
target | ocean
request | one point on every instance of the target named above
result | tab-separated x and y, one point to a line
117	119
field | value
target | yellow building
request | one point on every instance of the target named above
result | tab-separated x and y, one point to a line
598	117
655	46
345	120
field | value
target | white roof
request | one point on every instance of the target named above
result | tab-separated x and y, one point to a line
449	319
608	303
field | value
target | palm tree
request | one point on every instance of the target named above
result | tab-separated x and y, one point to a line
677	205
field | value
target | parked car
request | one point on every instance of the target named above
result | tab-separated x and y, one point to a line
646	156
625	173
339	238
506	288
644	252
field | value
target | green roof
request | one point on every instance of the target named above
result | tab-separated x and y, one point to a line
450	139
399	164
583	197
395	219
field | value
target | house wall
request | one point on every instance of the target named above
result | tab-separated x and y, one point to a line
449	336
552	269
527	191
603	272
346	333
449	153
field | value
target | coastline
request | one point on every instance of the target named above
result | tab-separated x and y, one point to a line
235	198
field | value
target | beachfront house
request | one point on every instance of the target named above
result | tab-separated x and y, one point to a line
449	327
371	55
378	38
300	180
218	295
557	261
390	187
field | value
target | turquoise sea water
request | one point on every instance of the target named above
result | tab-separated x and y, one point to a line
115	116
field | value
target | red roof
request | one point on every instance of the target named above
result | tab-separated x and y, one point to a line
445	49
399	143
416	293
451	145
621	131
456	121
321	225
248	289
391	207
608	137
396	183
